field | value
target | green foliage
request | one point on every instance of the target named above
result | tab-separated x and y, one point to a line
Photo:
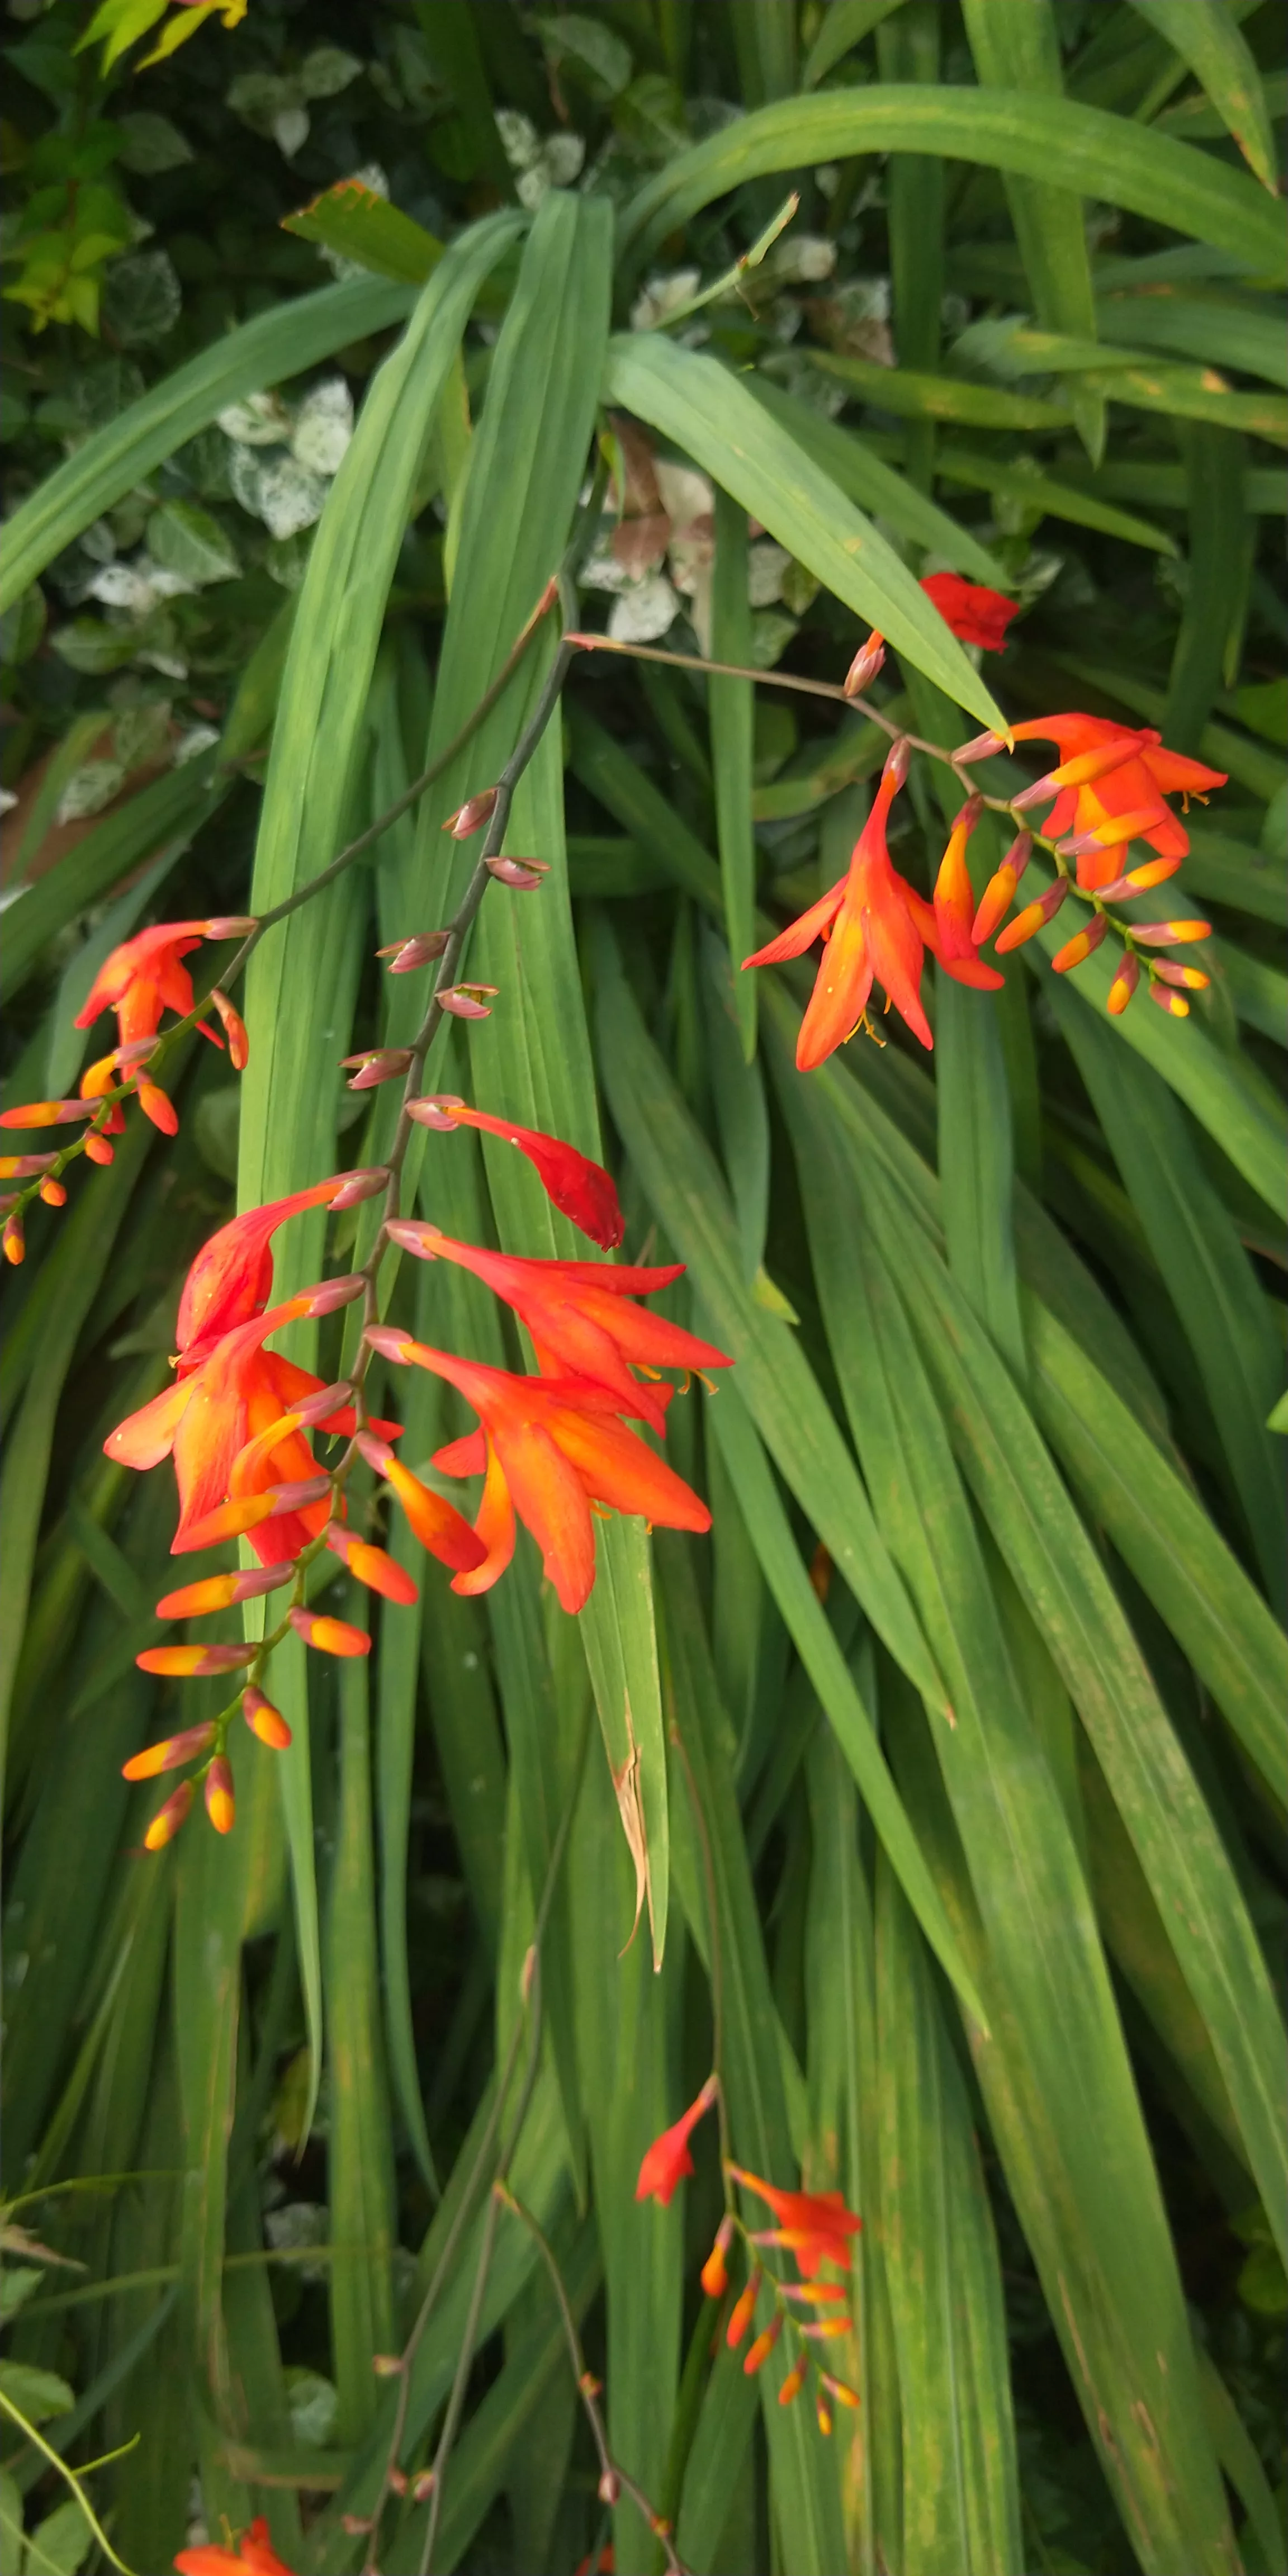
944	1780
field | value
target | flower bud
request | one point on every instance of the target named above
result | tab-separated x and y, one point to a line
865	666
24	1167
386	2365
1032	917
383	1064
169	1753
230	925
742	2314
1169	934
995	901
53	1193
823	2412
524	874
468	1001
318	1408
234	1024
168	1819
1167	1000
1081	945
221	1806
715	2271
264	1720
13	1241
1112	834
366	1183
193	1663
837	2388
329	1636
980	747
1191	978
370	1565
47	1113
472	815
761	2349
221	1592
1151	872
127	1058
159	1107
98	1149
435	1109
793	2384
423	2487
897	760
407	954
610	2487
1124	984
967	816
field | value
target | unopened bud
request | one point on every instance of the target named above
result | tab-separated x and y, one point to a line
865	666
761	2349
527	1973
838	2389
423	2487
468	1001
995	901
168	1819
1082	944
53	1193
387	2365
194	1663
1040	793
137	1052
230	925
742	2315
13	1242
1032	917
897	760
235	1028
1191	978
99	1150
383	1064
317	1408
398	2481
793	2384
170	1753
1151	872
715	2271
329	1636
24	1167
610	2487
472	815
589	2385
355	2524
1123	985
264	1720
1169	934
406	955
47	1113
824	2413
967	816
1167	1000
435	1109
221	1592
1113	834
220	1803
377	1453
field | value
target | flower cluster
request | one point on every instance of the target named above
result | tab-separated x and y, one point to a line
1109	789
815	2227
552	1448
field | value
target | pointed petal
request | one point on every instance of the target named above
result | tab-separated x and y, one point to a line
493	1526
840	994
801	933
618	1468
550	1500
146	1437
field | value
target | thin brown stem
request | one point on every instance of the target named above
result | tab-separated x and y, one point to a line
614	2480
764	680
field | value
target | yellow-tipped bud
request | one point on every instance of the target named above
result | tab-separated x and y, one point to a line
221	1806
168	1819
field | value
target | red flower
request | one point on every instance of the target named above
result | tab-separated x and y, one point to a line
580	1189
867	922
668	2160
581	1315
231	1279
209	1417
1120	772
976	615
815	2226
550	1448
143	977
253	2557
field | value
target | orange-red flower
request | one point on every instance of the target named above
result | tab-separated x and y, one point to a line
668	2160
815	2226
581	1315
208	1417
1143	773
254	2556
550	1448
231	1279
579	1188
144	977
976	615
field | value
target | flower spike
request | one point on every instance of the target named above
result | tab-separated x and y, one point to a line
668	2160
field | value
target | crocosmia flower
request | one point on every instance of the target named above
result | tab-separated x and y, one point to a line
582	1316
254	2556
668	2160
1107	773
208	1417
145	977
975	614
231	1279
550	1447
815	2226
580	1189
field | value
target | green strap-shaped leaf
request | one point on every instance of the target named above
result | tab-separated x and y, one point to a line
732	712
1208	1273
845	24
1019	479
706	410
360	2182
815	1642
275	346
1097	155
684	1187
909	48
1016	45
1206	36
1222	334
170	809
961	2500
857	469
